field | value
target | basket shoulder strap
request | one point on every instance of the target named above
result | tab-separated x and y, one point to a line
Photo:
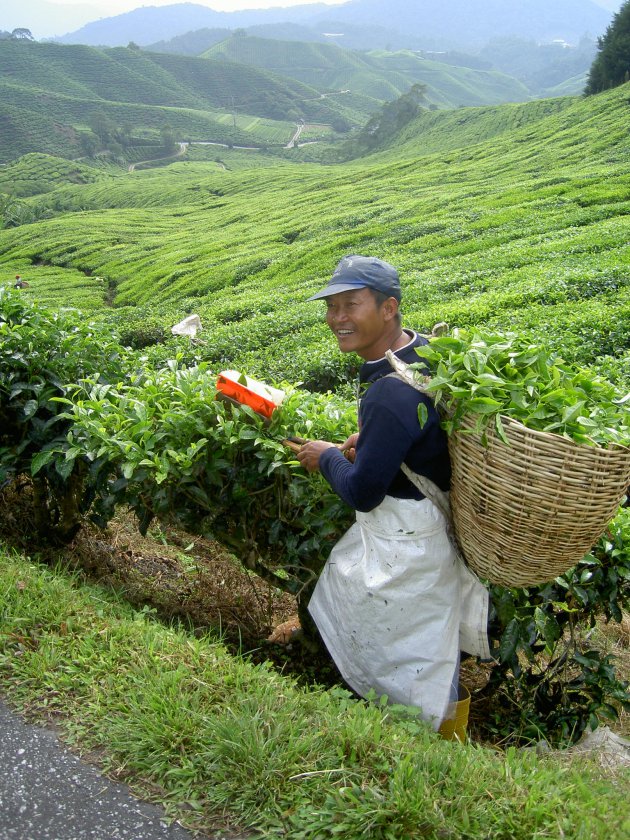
404	372
429	489
437	497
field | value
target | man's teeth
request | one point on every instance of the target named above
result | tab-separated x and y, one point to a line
344	332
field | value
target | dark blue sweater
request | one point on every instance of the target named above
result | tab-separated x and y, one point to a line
390	434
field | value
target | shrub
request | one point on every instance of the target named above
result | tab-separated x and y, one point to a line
40	353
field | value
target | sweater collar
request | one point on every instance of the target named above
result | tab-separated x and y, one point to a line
375	369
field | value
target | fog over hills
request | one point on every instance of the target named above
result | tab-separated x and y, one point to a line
432	23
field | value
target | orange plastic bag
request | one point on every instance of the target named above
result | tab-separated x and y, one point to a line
247	391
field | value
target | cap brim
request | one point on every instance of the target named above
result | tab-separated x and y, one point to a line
336	289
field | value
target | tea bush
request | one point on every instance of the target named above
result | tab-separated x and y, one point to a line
41	353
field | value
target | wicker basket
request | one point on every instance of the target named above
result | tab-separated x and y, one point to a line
528	512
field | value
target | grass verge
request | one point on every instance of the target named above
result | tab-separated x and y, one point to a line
221	742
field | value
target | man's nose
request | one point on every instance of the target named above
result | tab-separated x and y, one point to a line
340	315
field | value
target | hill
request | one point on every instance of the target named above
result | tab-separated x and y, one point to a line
190	43
34	174
149	24
151	79
50	94
354	37
542	68
379	74
435	23
514	216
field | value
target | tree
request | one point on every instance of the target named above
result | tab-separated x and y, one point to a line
612	64
383	127
22	35
89	143
101	125
168	138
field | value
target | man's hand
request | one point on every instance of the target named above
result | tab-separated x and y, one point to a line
348	447
310	453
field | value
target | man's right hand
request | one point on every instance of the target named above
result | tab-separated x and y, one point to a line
310	452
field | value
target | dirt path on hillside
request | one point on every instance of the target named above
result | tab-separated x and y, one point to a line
293	141
181	151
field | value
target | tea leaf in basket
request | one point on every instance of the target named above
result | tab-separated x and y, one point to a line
487	375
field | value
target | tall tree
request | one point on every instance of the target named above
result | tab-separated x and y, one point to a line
612	63
392	118
22	34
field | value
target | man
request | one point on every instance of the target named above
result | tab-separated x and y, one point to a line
393	596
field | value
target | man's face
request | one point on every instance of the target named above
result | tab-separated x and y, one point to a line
359	324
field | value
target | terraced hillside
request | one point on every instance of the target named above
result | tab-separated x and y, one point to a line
34	174
50	92
381	75
526	228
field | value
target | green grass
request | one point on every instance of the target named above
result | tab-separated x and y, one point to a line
26	129
220	741
47	284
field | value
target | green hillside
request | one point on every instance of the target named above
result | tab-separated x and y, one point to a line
24	131
379	74
190	43
59	130
570	87
49	93
527	228
130	75
34	174
466	127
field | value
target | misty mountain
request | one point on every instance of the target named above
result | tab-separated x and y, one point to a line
473	22
447	23
149	24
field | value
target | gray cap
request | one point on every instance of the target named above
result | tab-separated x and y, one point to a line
356	272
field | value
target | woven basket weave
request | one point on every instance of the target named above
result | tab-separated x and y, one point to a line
528	512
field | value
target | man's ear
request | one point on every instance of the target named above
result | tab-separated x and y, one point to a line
390	308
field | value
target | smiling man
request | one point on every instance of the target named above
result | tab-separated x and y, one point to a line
393	596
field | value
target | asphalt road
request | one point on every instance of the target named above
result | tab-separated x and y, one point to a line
48	793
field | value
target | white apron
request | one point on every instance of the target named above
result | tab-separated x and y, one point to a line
391	602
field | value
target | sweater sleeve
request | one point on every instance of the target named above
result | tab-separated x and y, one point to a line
389	428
